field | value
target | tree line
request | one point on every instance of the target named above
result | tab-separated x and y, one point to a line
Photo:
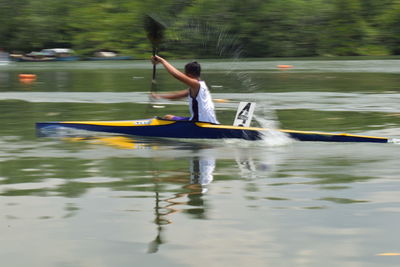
205	28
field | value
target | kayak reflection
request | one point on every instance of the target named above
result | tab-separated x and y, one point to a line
121	142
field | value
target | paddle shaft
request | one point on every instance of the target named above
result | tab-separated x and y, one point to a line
154	65
155	33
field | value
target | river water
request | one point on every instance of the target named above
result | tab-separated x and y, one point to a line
106	200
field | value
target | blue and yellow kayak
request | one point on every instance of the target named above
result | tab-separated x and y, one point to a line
156	127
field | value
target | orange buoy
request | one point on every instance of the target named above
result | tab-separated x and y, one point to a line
219	100
26	81
388	254
27	76
285	66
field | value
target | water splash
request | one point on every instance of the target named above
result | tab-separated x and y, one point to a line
214	40
56	131
395	141
272	136
217	41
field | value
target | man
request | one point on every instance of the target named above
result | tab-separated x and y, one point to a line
200	102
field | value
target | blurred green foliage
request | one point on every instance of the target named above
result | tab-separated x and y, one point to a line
205	28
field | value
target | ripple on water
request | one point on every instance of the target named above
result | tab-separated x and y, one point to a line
97	180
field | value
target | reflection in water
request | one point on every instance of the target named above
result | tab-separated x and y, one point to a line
121	142
247	167
193	184
307	187
201	171
200	175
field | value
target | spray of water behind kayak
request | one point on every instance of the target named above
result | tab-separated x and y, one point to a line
266	118
228	45
395	141
214	40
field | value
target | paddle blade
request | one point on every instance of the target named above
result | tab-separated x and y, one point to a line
154	28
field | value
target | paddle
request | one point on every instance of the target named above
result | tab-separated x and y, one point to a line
155	33
155	28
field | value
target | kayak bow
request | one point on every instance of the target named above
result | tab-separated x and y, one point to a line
157	127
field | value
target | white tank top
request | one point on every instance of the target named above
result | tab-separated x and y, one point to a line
202	107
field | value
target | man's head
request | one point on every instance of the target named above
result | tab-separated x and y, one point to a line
193	69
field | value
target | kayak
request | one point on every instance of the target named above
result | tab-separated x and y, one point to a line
157	127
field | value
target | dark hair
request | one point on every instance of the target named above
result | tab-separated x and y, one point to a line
193	68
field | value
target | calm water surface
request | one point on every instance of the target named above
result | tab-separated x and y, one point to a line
102	200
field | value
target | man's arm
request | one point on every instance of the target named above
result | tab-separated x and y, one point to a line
191	82
172	95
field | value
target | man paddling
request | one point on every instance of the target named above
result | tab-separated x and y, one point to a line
200	102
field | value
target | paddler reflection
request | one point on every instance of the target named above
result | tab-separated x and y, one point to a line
201	174
192	184
201	170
